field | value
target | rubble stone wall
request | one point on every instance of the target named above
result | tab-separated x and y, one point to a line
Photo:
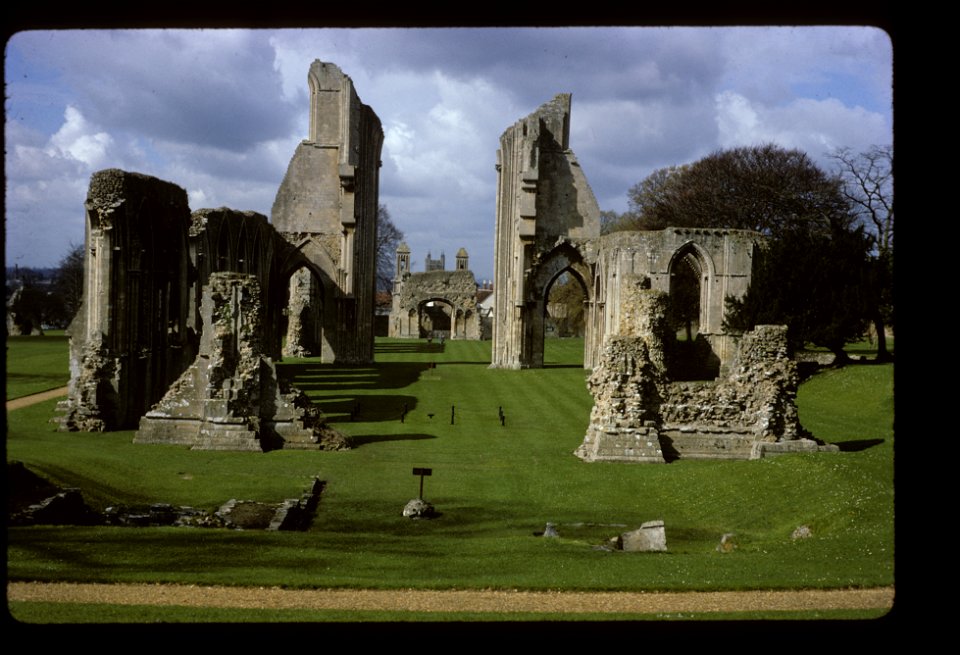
640	415
230	397
228	240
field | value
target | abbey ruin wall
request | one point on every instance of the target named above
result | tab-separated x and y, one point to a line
421	301
326	207
230	397
130	339
542	197
639	415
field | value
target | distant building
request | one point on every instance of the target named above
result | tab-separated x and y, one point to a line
436	303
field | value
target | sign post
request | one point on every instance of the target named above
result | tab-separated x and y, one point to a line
422	472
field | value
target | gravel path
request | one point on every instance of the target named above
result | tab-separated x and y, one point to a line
34	398
452	601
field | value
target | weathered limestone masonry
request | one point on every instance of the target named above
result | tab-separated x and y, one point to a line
546	216
640	416
548	223
242	242
720	260
327	208
230	397
147	260
420	298
129	341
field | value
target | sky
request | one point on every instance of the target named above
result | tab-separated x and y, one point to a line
220	112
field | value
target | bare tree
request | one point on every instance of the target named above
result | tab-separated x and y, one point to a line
68	281
389	237
868	186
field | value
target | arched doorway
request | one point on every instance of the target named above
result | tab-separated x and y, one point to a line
564	316
689	355
562	270
435	318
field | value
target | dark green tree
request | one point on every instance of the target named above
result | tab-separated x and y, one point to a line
816	282
814	274
762	188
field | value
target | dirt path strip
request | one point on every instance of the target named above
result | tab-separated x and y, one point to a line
34	398
451	601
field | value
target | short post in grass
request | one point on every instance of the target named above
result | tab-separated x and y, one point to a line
503	419
422	472
453	412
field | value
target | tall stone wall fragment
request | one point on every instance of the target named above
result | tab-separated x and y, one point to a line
327	208
129	341
545	206
230	398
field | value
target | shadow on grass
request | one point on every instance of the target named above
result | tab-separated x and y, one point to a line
94	491
858	445
413	347
322	382
364	439
313	376
365	408
454	519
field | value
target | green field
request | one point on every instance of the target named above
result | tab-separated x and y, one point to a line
495	487
36	364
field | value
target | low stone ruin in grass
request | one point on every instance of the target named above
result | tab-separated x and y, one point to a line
32	500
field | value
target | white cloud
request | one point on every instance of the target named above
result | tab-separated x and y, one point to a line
79	140
815	126
221	112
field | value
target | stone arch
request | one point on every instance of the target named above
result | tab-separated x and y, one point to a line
689	354
308	276
564	258
692	255
439	323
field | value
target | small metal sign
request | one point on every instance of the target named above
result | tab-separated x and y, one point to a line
422	472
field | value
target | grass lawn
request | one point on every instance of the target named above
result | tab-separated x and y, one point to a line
495	487
36	364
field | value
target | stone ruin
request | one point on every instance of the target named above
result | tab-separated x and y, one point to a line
435	303
545	210
714	394
230	397
640	415
326	207
184	313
